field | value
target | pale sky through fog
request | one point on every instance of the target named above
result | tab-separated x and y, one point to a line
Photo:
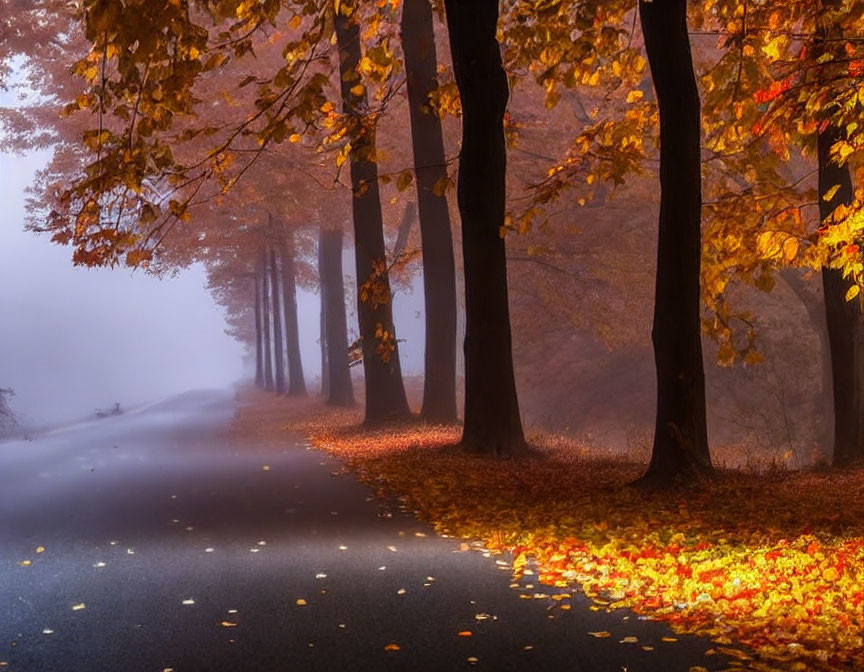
74	339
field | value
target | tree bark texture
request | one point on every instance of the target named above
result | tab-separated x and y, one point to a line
492	422
340	392
845	319
439	268
279	355
259	336
265	321
296	381
680	448
385	392
322	341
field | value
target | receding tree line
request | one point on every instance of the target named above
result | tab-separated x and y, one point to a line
492	422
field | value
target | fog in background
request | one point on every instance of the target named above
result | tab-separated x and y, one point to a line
76	339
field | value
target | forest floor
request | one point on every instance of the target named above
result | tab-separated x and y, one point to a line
769	565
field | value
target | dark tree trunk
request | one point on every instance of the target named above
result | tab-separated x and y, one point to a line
259	336
844	318
439	268
340	392
680	437
492	422
265	322
277	323
325	375
296	382
813	300
385	392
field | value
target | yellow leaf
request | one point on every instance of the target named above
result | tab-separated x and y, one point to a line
228	624
358	90
634	96
790	248
295	22
294	137
830	193
392	647
301	602
601	634
852	292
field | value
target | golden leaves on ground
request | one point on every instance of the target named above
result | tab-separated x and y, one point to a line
775	563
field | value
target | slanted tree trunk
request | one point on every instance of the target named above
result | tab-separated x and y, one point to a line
259	336
845	319
492	422
439	268
322	341
296	382
385	392
340	391
404	232
265	321
277	323
680	449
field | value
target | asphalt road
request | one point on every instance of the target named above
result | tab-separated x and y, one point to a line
148	542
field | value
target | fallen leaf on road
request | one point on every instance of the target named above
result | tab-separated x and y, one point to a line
628	640
78	607
189	600
391	548
301	602
392	647
465	633
602	633
40	549
668	639
228	624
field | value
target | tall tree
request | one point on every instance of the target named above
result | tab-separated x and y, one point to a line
844	318
439	270
385	392
276	303
265	320
680	436
492	422
296	382
339	389
259	336
322	341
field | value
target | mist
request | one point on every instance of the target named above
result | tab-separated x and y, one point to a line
76	339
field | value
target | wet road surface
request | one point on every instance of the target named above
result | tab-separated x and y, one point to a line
149	542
